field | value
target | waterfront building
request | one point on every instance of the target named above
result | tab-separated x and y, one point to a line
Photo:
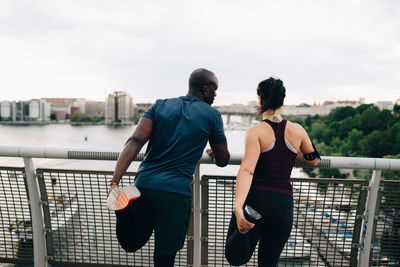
78	106
302	109
384	105
60	108
14	111
140	108
320	110
119	107
88	108
349	102
45	110
34	110
94	108
39	110
6	110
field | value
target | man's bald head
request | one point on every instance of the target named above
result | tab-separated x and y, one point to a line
203	84
200	78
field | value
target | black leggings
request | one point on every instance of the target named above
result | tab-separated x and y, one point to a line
165	213
272	230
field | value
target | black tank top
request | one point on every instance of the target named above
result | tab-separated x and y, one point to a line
273	169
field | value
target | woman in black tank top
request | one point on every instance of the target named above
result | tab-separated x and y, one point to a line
263	209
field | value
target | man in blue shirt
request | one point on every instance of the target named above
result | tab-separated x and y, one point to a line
178	130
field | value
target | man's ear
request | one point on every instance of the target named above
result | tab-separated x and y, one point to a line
205	90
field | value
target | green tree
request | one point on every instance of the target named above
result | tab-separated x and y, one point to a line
332	173
96	118
322	133
385	118
396	109
394	133
369	120
77	117
310	172
318	129
390	205
376	144
324	149
352	143
345	149
336	144
346	125
341	113
361	108
308	121
334	126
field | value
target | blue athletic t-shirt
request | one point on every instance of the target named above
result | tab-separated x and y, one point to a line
181	128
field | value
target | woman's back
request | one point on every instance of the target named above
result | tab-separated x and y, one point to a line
293	133
263	181
279	143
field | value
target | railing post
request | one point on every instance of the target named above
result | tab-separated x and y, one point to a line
196	218
39	243
369	220
204	220
362	199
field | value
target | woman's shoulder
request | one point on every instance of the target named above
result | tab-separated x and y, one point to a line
259	129
295	127
253	129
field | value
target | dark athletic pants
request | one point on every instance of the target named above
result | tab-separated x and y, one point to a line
272	230
164	212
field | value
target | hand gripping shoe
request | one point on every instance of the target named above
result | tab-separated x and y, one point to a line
119	198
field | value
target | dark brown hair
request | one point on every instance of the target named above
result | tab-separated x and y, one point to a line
272	93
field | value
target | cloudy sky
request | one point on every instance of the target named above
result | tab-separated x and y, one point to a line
328	49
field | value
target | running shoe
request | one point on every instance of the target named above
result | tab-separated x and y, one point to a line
251	214
119	198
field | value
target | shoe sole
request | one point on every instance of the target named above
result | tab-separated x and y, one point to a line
120	198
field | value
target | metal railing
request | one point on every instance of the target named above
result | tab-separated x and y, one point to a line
59	217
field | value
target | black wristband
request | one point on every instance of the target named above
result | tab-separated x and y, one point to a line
313	155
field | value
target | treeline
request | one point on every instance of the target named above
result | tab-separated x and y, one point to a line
79	117
364	131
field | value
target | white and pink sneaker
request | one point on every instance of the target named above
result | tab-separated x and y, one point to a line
119	198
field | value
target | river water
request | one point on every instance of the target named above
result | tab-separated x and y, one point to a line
100	138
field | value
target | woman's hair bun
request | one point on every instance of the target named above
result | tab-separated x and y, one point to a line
272	93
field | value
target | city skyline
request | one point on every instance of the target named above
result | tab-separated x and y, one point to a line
340	50
251	102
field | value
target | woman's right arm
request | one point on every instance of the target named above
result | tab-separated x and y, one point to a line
245	177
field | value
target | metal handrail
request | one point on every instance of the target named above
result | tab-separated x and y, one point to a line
71	153
27	153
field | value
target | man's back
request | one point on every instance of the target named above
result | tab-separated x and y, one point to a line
177	130
181	128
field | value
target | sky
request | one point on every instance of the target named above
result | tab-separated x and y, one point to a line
322	50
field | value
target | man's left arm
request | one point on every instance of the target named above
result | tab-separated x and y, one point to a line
220	153
218	143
